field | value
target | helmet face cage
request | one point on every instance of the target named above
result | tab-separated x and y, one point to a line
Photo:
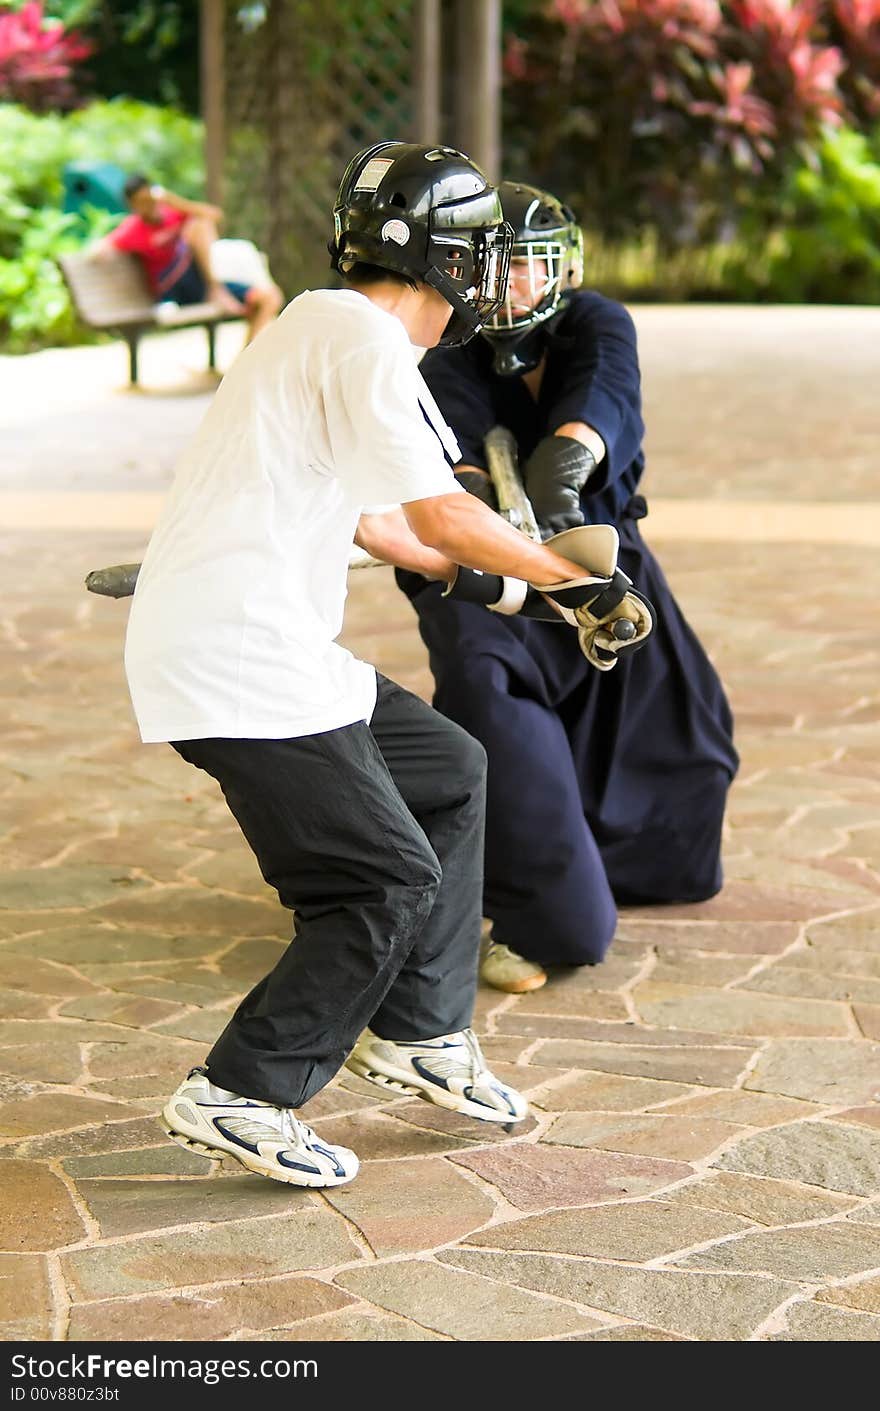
476	263
554	265
494	251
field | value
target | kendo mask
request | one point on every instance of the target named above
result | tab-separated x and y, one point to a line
549	244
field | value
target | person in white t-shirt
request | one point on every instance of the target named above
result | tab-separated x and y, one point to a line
363	806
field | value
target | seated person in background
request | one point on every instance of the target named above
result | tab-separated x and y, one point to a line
174	237
603	788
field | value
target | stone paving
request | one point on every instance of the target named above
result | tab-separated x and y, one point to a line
703	1158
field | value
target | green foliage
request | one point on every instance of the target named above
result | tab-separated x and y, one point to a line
162	142
34	149
145	49
819	242
644	270
826	249
34	306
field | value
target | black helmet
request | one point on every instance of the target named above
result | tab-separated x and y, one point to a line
546	234
428	213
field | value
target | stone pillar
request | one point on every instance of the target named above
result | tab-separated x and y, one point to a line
477	123
212	18
427	64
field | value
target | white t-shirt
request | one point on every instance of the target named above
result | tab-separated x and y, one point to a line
243	586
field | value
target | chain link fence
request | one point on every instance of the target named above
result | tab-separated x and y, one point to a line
308	83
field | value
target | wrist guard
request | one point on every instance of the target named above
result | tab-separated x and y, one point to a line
554	476
490	590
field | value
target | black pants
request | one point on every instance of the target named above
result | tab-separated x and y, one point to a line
603	789
373	834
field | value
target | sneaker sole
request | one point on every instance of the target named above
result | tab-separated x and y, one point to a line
516	987
251	1162
440	1097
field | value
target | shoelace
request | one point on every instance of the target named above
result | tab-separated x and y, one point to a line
471	1067
300	1133
289	1129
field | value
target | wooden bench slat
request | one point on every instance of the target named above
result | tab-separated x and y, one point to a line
113	293
192	313
107	288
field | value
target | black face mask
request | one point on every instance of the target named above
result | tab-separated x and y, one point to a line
513	356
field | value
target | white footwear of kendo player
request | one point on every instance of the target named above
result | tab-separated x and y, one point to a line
364	807
449	1070
269	1140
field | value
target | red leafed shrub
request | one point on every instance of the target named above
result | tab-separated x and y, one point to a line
37	59
794	72
673	113
855	28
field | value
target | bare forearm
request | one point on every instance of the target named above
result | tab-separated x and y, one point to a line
463	529
580	431
189	208
388	537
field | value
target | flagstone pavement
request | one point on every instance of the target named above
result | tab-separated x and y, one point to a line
703	1158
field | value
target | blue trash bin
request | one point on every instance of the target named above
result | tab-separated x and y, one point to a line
98	184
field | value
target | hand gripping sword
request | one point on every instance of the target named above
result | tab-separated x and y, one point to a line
609	621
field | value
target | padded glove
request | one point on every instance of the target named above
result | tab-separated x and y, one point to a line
554	476
610	616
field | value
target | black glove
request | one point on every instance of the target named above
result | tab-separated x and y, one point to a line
480	485
554	475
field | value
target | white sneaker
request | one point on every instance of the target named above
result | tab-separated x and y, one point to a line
268	1140
504	969
449	1070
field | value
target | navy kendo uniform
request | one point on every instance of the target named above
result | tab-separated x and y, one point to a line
603	787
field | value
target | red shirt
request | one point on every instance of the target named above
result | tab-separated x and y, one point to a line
156	244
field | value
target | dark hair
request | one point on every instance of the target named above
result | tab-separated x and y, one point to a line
135	183
363	273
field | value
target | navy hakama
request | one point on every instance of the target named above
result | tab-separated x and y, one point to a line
603	788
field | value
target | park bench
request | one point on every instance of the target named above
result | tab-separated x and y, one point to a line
112	294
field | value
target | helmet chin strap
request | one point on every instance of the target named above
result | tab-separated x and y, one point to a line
465	320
